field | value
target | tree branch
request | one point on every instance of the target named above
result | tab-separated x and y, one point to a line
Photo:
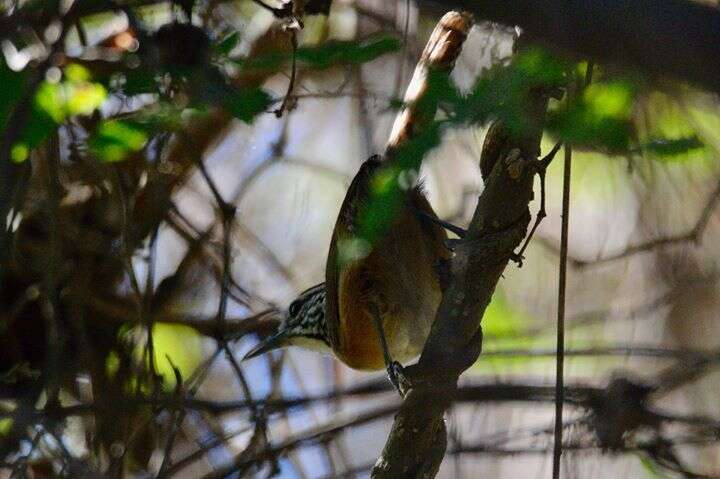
417	441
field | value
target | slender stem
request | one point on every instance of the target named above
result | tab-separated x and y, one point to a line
293	75
560	362
562	283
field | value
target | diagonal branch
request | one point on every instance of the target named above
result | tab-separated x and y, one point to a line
417	441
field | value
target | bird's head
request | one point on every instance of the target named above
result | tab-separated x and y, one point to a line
303	325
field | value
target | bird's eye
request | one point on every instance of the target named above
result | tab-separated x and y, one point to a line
294	308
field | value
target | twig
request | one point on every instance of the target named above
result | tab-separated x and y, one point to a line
694	235
542	166
284	12
562	285
417	440
338	423
293	74
175	425
562	282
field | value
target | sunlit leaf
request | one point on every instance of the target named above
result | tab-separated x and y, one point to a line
60	100
84	98
55	102
667	134
76	73
19	152
115	139
5	426
608	99
182	344
599	119
49	99
112	364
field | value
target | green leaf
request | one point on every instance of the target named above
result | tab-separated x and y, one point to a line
182	344
246	104
115	139
503	93
652	469
334	53
390	183
19	152
55	102
225	46
326	55
70	98
673	147
139	81
538	67
5	426
49	99
76	73
13	85
599	119
670	132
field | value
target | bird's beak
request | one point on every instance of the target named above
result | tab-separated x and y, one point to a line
270	343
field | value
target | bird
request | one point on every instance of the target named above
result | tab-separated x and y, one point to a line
375	311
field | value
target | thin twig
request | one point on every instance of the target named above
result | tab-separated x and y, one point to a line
562	282
562	285
694	235
175	425
542	166
277	12
293	74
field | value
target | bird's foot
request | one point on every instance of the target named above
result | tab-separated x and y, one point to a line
517	258
398	378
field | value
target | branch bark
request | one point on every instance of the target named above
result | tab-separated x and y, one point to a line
675	38
417	441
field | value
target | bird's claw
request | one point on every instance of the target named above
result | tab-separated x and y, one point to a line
517	258
398	378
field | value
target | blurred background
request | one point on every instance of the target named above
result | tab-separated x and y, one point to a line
132	291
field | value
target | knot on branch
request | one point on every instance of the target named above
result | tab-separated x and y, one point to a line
490	249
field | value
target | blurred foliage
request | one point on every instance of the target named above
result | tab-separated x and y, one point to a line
112	105
115	139
54	103
599	118
324	56
501	320
502	94
176	345
118	87
13	84
651	468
